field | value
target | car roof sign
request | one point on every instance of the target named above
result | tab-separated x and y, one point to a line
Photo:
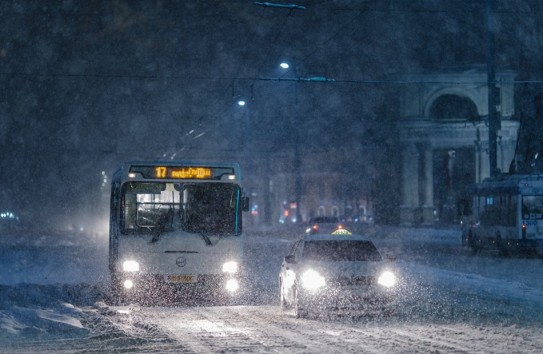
341	231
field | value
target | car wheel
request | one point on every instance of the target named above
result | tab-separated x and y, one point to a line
300	311
284	303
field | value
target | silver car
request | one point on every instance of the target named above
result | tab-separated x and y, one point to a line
336	273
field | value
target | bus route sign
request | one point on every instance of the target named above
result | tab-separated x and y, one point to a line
181	172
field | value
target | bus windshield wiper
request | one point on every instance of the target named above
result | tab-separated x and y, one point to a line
160	227
206	239
156	234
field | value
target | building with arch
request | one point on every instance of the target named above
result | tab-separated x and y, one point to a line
443	127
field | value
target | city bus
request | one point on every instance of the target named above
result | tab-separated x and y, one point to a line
507	215
176	231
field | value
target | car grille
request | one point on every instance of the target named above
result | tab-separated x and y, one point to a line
352	281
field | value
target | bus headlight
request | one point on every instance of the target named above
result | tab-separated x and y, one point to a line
387	279
312	280
131	266
128	284
230	267
232	285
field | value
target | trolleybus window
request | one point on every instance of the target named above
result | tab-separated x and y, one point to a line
499	210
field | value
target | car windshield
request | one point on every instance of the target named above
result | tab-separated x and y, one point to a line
335	250
324	220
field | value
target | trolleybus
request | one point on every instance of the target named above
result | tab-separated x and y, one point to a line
507	215
176	231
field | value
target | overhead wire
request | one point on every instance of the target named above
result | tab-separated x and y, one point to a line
269	48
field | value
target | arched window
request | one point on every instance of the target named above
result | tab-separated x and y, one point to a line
321	211
335	211
453	107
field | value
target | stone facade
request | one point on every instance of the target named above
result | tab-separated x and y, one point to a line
444	138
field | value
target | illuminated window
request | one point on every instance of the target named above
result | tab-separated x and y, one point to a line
489	200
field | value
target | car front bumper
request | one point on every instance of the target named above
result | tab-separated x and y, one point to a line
342	300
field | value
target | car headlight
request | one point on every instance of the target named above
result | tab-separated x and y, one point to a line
387	279
131	266
232	285
128	284
312	280
230	267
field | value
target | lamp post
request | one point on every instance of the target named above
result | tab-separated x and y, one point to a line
493	99
296	146
245	142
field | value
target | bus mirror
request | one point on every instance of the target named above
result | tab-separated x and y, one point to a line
290	259
245	203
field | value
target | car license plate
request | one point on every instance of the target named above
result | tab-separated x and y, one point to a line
359	291
181	278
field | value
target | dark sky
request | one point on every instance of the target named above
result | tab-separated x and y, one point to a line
87	84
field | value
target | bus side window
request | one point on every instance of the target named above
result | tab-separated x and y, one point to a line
491	211
130	211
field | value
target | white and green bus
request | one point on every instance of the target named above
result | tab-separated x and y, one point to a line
176	231
507	215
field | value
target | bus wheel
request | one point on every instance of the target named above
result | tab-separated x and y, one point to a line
117	298
116	293
475	248
504	252
504	249
501	246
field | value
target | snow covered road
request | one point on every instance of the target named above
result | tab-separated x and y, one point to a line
265	329
451	302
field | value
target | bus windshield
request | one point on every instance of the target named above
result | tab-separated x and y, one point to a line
532	206
157	207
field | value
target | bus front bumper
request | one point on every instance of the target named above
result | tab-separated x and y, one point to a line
178	287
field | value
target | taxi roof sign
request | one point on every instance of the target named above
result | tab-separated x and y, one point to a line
341	231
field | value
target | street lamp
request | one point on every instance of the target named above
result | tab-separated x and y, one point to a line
287	68
297	160
245	107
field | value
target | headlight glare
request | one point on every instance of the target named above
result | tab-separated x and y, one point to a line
387	279
230	267
232	285
131	266
128	284
312	280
